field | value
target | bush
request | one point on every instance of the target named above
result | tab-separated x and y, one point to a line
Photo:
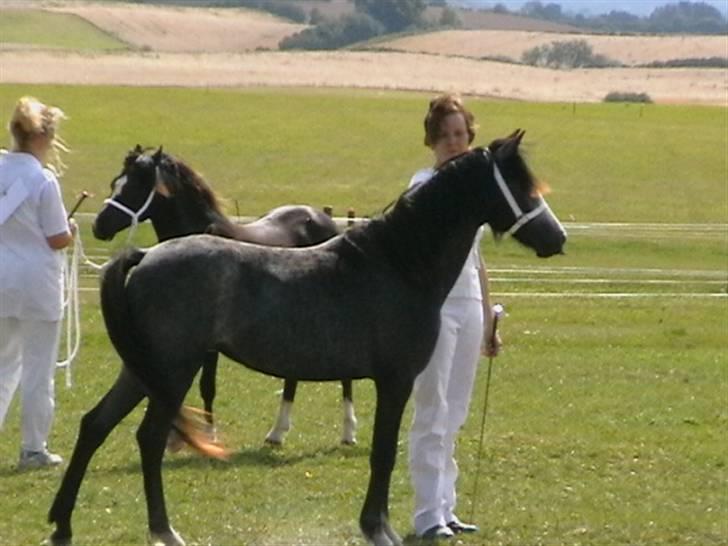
284	9
395	15
571	54
626	96
449	18
332	34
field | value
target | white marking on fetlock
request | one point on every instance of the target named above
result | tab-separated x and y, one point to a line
392	534
381	538
211	432
169	538
282	425
348	435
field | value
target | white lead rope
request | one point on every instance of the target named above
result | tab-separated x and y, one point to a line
71	321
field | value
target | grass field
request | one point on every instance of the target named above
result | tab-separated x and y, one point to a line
608	409
42	29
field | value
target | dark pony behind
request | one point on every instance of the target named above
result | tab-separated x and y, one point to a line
365	304
156	186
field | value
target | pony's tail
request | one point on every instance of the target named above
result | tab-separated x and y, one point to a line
120	326
193	429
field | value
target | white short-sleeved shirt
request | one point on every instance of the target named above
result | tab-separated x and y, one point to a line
31	209
467	284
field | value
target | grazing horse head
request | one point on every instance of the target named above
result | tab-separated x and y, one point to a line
160	188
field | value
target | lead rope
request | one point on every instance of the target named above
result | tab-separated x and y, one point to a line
71	322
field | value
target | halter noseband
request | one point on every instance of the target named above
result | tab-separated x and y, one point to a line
135	215
522	218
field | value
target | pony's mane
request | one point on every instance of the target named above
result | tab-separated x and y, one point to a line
409	232
191	178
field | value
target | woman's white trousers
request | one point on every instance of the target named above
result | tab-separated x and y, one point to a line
28	352
442	395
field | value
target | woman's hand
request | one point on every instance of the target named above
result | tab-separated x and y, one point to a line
491	344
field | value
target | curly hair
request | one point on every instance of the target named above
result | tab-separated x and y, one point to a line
440	108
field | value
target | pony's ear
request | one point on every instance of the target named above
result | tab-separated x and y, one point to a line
138	149
511	144
158	155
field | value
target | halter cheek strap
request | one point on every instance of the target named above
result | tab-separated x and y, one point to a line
522	218
134	215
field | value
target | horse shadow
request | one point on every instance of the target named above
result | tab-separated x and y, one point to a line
261	456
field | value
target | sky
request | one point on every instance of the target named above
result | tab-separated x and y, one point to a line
594	7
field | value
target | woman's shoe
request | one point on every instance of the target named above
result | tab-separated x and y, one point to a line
457	527
438	532
38	459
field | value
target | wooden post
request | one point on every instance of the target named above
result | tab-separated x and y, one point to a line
351	214
329	211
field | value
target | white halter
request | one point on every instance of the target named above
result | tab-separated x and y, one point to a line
522	218
134	215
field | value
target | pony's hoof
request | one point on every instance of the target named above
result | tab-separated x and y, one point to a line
168	538
274	438
58	541
380	538
348	441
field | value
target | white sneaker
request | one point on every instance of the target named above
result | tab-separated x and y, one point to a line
38	459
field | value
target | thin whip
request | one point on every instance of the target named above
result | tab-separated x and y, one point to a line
498	311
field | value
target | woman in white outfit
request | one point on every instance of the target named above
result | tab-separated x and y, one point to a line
443	390
33	230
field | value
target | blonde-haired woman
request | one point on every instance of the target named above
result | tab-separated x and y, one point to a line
443	390
33	230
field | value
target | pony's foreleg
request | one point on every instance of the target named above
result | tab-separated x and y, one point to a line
392	397
95	427
283	420
151	438
348	429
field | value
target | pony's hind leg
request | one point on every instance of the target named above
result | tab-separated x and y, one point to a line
208	391
392	396
348	428
95	427
207	385
283	420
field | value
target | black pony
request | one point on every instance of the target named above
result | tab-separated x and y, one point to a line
365	304
178	201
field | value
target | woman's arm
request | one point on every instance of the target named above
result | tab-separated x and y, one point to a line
63	239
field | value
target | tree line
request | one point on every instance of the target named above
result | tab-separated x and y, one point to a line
681	17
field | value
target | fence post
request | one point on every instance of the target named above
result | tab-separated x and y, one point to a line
351	214
329	211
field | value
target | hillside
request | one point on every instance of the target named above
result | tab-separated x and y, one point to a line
173	46
183	29
629	50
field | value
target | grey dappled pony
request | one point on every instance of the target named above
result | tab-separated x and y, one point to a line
365	304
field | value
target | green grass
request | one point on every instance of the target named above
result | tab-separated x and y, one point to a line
608	416
43	29
263	148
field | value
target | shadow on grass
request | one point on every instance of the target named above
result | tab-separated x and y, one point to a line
258	456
